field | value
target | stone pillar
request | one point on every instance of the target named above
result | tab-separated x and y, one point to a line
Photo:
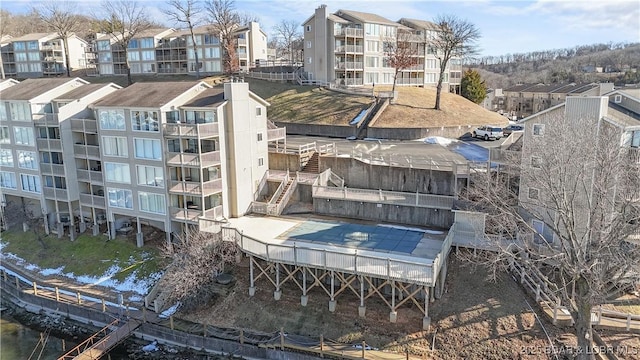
95	230
139	235
60	230
426	320
332	302
112	230
83	227
362	309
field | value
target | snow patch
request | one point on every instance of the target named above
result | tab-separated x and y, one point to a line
150	347
170	311
351	137
433	232
48	272
438	140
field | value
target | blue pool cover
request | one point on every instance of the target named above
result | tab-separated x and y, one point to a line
370	237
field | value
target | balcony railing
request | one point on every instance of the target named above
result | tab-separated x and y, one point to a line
348	82
411	81
191	130
242	41
185	214
90	176
51	47
350	65
87	151
350	48
276	134
171	57
49	144
214	213
634	155
55	169
84	125
349	32
46	119
54	193
93	200
194	160
196	188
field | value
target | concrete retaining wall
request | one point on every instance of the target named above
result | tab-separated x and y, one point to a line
419	133
384	212
319	130
280	161
358	174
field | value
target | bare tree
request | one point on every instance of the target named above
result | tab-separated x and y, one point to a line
288	31
578	205
400	54
5	17
124	20
225	19
60	17
454	37
187	13
198	258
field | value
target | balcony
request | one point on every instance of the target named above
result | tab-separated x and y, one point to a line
410	81
350	49
90	176
55	193
171	57
185	214
84	125
49	144
349	82
350	65
214	213
193	160
45	119
93	200
349	32
51	47
196	188
52	169
634	155
87	151
191	130
241	42
276	134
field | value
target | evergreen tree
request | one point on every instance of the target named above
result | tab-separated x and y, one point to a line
472	86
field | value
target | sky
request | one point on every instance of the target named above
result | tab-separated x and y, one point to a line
506	27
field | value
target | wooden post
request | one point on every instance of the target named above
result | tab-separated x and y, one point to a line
537	292
64	346
4	275
57	294
35	288
363	345
79	298
282	339
321	346
599	314
144	314
17	283
171	322
628	321
104	306
241	336
204	329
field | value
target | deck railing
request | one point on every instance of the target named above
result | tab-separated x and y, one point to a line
384	197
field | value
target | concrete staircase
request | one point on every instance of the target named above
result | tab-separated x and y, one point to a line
285	191
312	165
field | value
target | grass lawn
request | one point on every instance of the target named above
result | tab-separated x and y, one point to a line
87	255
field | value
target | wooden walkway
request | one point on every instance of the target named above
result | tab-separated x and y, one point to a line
96	346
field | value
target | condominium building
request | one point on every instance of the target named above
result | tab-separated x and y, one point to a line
162	154
167	51
40	55
348	48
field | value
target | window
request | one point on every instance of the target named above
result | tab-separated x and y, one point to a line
538	226
147	43
30	183
309	60
23	136
48	133
536	162
308	28
148	55
21	57
3	113
27	160
133	44
538	129
114	146
211	40
104	57
260	161
173	145
147	149
259	136
371	78
120	198
51	158
20	45
20	112
33	45
144	121
173	116
534	194
153	203
55	181
150	175
104	45
258	111
33	56
117	172
4	135
617	99
200	117
133	56
371	61
112	120
308	44
212	52
37	67
372	29
635	139
8	180
6	157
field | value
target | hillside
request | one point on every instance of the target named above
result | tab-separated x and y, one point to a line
414	109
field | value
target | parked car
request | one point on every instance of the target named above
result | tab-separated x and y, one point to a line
511	128
488	132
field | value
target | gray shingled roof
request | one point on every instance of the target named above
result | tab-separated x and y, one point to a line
147	94
419	24
366	17
31	88
82	91
208	98
33	36
519	87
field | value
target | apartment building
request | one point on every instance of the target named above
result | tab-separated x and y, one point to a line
526	99
41	55
167	51
618	111
161	154
348	48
